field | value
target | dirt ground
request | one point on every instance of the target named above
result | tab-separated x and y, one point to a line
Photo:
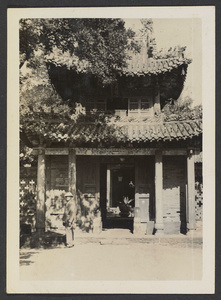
93	261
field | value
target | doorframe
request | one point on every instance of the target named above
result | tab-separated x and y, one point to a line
115	166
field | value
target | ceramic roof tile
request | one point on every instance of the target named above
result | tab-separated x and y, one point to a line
120	131
139	63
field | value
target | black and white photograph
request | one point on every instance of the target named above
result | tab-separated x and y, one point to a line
111	132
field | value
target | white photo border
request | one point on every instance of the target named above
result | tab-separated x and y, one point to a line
204	286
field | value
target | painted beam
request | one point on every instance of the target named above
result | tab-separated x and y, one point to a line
174	152
129	152
112	151
56	151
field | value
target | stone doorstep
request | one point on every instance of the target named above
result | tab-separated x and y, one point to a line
121	237
172	240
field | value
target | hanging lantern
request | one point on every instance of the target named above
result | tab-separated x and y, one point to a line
120	178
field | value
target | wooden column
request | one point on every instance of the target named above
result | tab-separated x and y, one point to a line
138	228
72	171
40	212
97	221
108	195
158	192
97	179
191	223
157	108
137	165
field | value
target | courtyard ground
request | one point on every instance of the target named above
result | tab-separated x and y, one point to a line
112	257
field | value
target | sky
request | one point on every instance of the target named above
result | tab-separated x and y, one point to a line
183	32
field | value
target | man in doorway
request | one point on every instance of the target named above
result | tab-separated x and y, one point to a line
69	218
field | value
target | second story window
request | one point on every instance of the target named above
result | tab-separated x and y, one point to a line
99	104
140	106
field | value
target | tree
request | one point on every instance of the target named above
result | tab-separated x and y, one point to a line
99	46
102	43
147	26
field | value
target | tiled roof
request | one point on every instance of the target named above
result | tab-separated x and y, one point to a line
138	64
119	131
147	66
160	62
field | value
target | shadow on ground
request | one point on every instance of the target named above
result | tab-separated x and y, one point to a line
25	258
49	239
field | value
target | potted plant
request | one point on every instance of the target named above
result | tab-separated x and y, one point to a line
125	207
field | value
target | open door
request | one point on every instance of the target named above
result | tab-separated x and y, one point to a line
120	195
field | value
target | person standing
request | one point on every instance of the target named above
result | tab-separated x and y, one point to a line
69	218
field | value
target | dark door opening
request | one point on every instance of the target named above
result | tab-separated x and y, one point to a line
118	195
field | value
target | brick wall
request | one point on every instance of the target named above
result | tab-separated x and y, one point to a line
144	184
88	189
198	192
174	190
27	196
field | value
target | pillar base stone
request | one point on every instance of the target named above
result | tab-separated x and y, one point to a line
139	228
150	228
159	229
159	232
97	225
191	227
191	232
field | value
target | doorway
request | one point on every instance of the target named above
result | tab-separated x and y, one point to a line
120	196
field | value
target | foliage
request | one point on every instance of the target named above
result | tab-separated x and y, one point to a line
147	26
37	100
26	156
54	204
181	110
37	96
27	199
89	210
102	43
96	128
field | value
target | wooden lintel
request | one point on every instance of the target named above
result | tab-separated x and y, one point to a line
112	151
134	151
56	151
174	152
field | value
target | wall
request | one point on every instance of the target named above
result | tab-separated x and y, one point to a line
88	189
57	172
174	194
198	195
56	187
144	187
27	198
